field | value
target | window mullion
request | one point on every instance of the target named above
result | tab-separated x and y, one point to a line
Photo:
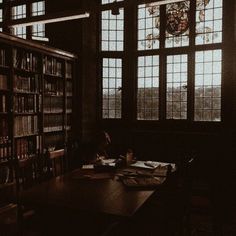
130	62
162	93
191	61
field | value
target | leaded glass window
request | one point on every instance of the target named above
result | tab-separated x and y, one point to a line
174	67
177	24
148	88
148	26
18	12
208	70
176	89
209	21
19	32
38	8
111	87
112	31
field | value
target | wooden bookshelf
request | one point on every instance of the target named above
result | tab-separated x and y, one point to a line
36	107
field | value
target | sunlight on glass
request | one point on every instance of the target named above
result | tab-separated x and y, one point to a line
208	85
176	91
148	26
148	88
112	31
209	16
111	88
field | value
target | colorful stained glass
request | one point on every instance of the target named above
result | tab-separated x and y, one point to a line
177	24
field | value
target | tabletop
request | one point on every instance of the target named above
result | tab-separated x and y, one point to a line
101	194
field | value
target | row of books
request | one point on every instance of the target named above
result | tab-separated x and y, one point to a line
3	127
25	60
5	148
25	125
3	82
26	84
69	88
25	103
2	57
68	71
53	104
3	103
53	87
53	123
52	66
27	147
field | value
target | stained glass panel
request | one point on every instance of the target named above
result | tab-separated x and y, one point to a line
148	88
148	26
209	21
112	31
177	24
176	89
111	88
208	85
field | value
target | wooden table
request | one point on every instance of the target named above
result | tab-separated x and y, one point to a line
99	195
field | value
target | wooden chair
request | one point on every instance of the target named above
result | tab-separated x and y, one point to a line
56	162
8	210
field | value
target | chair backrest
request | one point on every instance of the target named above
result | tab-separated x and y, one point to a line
26	173
57	162
7	184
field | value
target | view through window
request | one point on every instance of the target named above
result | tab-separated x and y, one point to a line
179	58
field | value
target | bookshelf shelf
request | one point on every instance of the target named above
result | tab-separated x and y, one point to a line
22	92
25	113
53	130
35	81
24	71
53	76
25	135
53	95
2	67
53	112
4	90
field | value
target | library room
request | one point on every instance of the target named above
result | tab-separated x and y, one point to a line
117	117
